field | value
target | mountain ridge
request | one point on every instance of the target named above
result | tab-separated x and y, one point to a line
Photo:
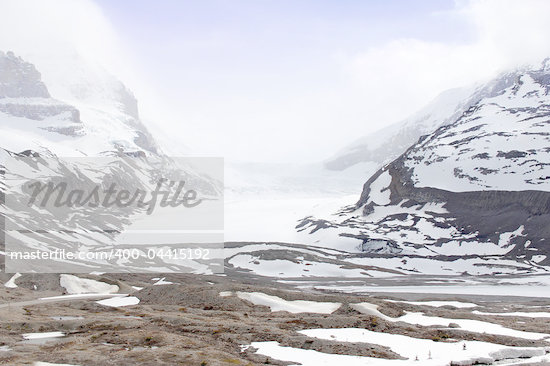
408	207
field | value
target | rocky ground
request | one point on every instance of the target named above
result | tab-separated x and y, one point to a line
189	323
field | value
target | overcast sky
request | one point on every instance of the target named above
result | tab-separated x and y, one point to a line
285	80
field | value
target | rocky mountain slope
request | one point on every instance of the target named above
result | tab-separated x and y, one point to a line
478	185
42	136
89	121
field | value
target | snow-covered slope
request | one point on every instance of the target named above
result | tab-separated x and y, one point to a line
501	143
89	120
383	146
476	186
96	121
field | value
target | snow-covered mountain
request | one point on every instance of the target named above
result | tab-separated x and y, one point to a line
95	118
477	185
381	147
96	113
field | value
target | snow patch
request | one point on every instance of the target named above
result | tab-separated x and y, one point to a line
11	281
296	306
379	192
43	335
77	285
437	304
475	326
516	313
119	301
161	281
426	350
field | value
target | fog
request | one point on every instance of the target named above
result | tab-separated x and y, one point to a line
277	81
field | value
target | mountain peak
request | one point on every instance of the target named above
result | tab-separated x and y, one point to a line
476	184
20	79
92	110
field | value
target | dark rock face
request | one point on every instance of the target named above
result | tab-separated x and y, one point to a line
40	112
483	214
24	95
19	79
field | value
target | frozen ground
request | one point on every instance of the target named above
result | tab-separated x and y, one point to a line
227	320
414	350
